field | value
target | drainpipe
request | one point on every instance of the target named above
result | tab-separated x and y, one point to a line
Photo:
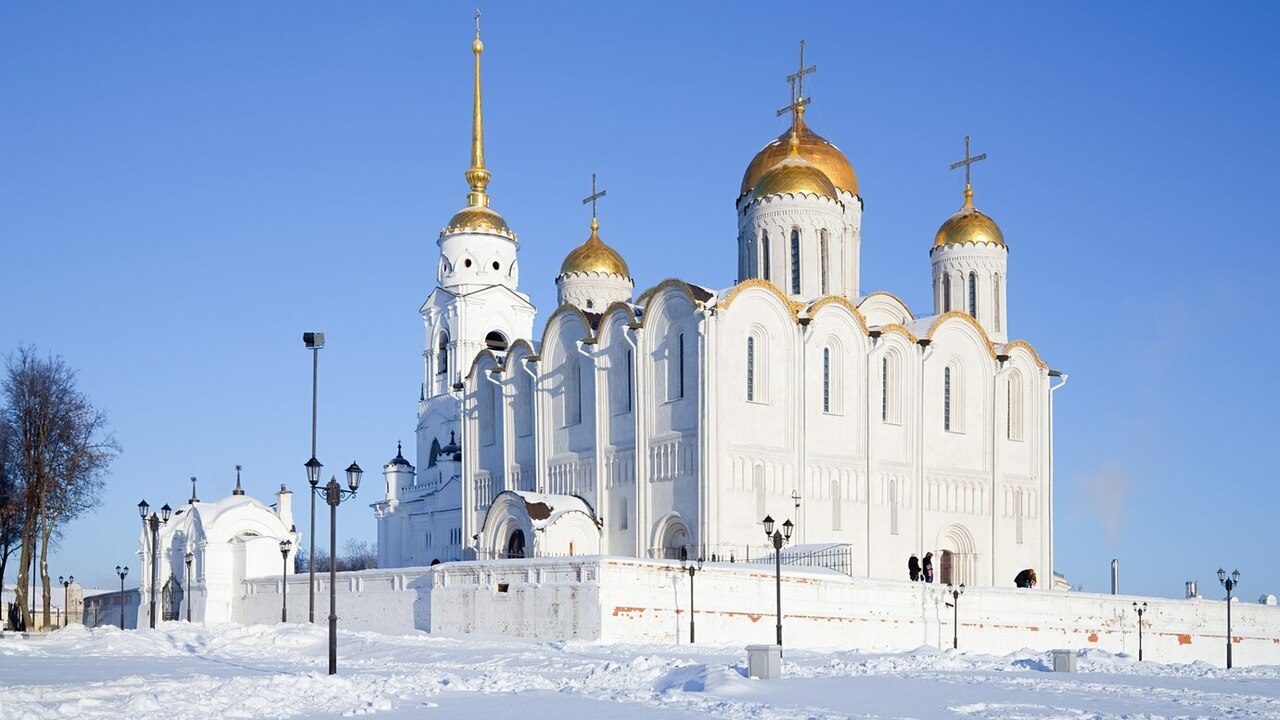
539	472
925	354
597	424
875	342
638	452
1052	388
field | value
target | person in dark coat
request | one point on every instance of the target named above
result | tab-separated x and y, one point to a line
1026	579
928	567
913	568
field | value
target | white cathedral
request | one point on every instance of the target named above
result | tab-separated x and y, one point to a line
669	424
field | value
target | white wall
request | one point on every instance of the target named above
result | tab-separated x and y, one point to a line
394	601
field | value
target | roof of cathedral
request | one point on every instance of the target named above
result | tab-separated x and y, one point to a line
969	225
813	147
594	256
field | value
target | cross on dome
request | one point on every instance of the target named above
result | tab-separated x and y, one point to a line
796	79
968	162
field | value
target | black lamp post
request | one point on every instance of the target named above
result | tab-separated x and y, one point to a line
314	342
122	572
692	568
313	467
285	547
1142	610
1229	583
153	523
779	538
334	495
191	596
66	607
955	592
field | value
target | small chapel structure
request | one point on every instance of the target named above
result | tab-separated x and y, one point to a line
670	424
206	550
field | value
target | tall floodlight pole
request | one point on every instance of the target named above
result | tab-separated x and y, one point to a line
314	341
122	571
1229	583
334	494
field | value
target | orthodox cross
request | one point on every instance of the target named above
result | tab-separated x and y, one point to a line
968	161
594	196
477	22
798	100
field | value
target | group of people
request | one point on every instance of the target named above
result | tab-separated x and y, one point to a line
918	571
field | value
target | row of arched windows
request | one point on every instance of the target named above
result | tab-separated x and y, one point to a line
971	296
759	262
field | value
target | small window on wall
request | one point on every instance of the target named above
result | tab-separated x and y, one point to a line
751	369
488	413
1013	409
826	380
524	406
675	369
946	399
572	392
946	293
973	295
764	254
890	379
995	300
822	244
442	354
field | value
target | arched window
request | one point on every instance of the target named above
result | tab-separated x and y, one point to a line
1013	407
946	293
889	382
826	379
795	262
524	405
751	369
675	368
822	250
995	300
442	353
495	341
973	295
764	253
946	399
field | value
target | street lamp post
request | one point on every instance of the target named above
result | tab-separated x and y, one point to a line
334	495
153	523
191	596
1229	583
122	571
779	538
66	607
314	342
955	614
692	568
285	547
1142	610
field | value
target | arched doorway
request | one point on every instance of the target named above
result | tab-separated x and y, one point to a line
171	600
515	544
957	562
671	538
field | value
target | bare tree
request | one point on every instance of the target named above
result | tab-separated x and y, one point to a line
358	555
60	449
11	505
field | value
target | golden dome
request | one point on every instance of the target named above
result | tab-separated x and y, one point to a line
478	218
968	226
813	147
594	256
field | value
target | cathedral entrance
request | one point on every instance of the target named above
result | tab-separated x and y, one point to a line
946	566
515	544
672	538
171	600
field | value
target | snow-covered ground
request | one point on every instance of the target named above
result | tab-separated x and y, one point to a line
229	671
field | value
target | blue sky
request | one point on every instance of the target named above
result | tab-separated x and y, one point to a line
185	189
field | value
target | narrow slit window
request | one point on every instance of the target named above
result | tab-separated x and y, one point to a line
995	299
751	369
822	243
764	252
946	399
946	293
795	262
884	389
973	295
826	380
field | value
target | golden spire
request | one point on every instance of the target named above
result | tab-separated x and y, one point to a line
477	175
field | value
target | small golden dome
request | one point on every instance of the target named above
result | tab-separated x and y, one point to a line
968	226
813	147
594	256
478	219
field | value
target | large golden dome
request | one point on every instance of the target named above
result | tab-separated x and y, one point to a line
813	147
968	226
594	256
